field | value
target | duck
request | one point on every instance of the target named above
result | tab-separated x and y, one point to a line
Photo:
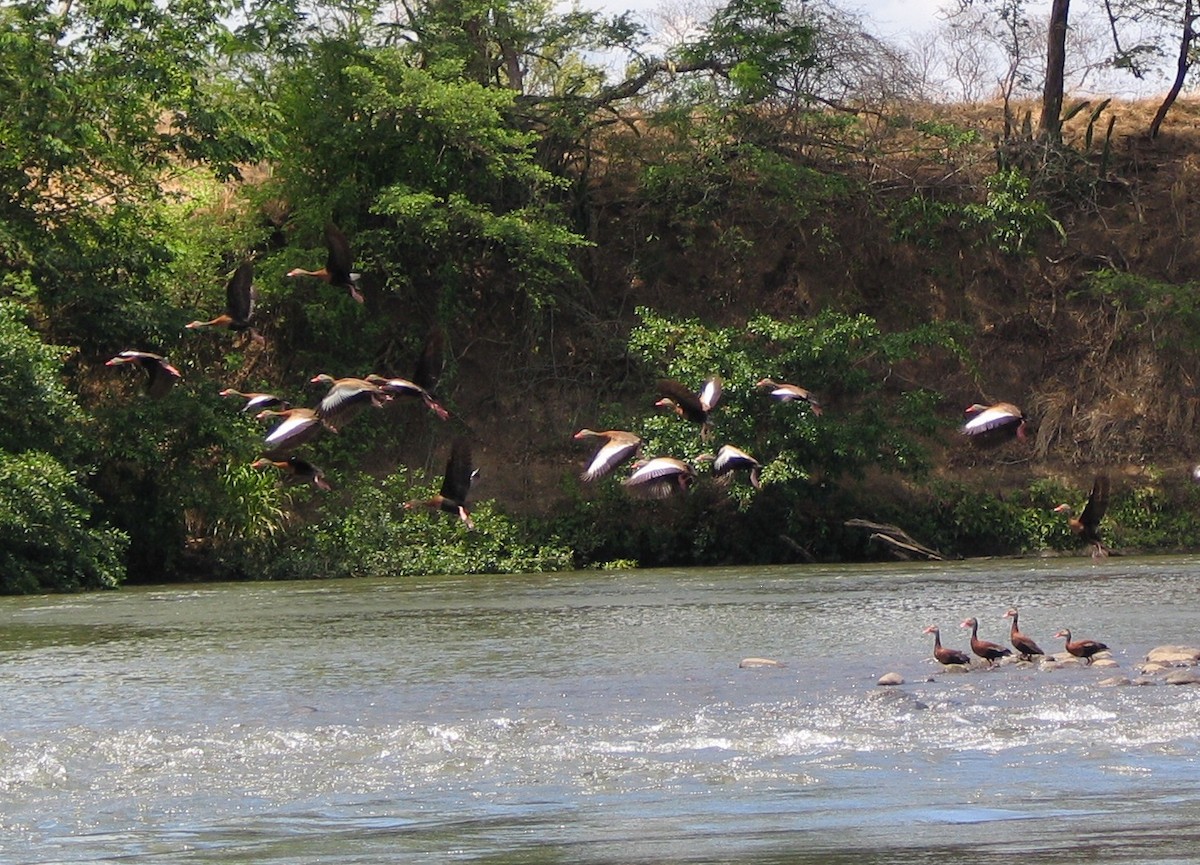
990	652
338	265
1081	648
299	425
160	375
659	478
456	485
405	388
619	446
729	459
346	397
257	401
1087	524
1026	648
427	371
992	424
944	654
783	392
694	407
239	304
299	469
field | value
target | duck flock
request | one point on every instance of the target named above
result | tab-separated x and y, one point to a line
1025	647
654	477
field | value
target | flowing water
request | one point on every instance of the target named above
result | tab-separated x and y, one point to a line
599	718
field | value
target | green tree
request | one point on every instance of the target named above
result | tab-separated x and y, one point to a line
49	539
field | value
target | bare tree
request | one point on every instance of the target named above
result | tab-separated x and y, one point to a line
1175	17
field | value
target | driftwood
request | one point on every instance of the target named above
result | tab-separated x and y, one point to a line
898	541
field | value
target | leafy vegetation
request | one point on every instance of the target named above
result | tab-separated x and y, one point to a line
723	206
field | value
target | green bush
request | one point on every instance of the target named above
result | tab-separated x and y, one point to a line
367	532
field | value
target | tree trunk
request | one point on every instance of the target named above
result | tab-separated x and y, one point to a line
1181	69
1050	123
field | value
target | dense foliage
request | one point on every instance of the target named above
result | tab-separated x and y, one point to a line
478	154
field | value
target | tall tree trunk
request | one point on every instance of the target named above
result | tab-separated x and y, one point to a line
1181	68
1050	123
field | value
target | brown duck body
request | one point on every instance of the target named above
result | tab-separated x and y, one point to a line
1084	649
694	407
944	654
989	651
729	459
239	303
993	424
784	392
619	446
1025	647
257	401
456	485
298	426
660	478
160	375
346	398
402	387
299	469
338	265
1087	524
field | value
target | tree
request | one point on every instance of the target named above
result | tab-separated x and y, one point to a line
49	539
1013	14
1050	121
1166	16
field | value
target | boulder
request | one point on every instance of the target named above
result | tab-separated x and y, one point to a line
890	679
1174	656
1182	677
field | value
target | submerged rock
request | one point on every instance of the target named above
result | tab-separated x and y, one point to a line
751	663
1174	656
1114	680
890	679
1183	677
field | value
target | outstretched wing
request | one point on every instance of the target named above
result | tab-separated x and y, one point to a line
428	370
457	483
1097	503
239	294
340	262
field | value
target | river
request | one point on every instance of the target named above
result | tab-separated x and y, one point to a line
600	717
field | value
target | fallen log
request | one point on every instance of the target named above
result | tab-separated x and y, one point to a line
900	542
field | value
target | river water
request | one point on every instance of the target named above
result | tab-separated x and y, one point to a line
600	718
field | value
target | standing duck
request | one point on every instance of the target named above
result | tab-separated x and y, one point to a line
943	654
791	393
730	459
659	478
299	469
298	426
1081	648
338	265
346	397
618	446
160	375
1026	648
405	388
1087	524
239	304
456	485
694	407
257	401
990	652
992	424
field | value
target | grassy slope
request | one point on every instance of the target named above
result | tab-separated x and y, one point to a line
1106	388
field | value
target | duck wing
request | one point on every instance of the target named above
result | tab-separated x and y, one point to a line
459	472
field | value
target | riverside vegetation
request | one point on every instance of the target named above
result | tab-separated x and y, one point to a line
716	212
